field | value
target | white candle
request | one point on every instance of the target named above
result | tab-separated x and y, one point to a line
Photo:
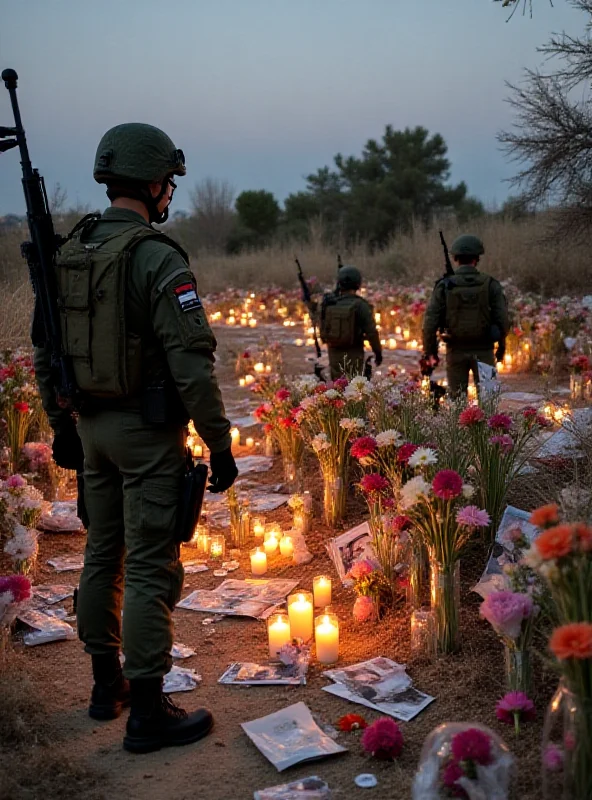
258	527
300	612
197	451
327	638
252	323
235	436
270	544
321	586
287	546
249	379
258	562
242	382
259	367
278	633
406	334
249	441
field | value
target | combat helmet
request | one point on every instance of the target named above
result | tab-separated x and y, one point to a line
135	151
467	245
349	277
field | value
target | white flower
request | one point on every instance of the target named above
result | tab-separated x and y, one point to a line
309	402
423	457
360	383
532	558
320	443
352	424
23	544
413	490
549	570
305	383
386	438
332	394
468	491
357	388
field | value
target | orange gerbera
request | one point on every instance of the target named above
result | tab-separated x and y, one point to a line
555	542
572	641
583	536
545	515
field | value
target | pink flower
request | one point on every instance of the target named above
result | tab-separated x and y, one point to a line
553	758
447	484
529	413
405	452
514	708
401	523
500	422
15	482
473	517
363	447
282	394
383	739
505	442
360	569
450	774
340	384
471	416
472	745
18	586
364	609
374	484
505	611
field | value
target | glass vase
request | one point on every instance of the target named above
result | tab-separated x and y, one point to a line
417	573
333	499
567	747
445	596
576	386
517	669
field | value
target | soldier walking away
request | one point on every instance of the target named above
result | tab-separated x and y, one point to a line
143	357
346	320
469	310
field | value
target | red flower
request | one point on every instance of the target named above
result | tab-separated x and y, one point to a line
320	388
471	416
472	745
351	722
21	406
500	422
447	484
450	774
282	394
17	585
529	413
267	428
401	523
363	447
374	483
340	385
405	452
383	739
288	422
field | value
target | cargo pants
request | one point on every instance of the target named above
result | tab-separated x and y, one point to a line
346	362
133	475
460	362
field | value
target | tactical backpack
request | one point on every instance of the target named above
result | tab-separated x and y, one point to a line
338	322
92	279
468	312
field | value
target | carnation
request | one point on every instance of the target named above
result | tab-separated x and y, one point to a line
405	453
386	438
18	586
422	457
471	416
351	722
414	489
499	422
505	611
360	569
364	609
472	745
573	640
320	442
447	484
515	707
505	442
473	517
15	482
545	516
353	424
383	739
363	447
374	483
401	523
282	394
332	394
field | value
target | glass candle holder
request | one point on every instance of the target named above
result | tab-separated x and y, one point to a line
258	561
327	638
201	538
217	546
321	587
278	633
423	633
271	540
300	613
286	546
258	525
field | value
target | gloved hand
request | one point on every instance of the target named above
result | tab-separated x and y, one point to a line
428	363
67	447
224	471
500	352
378	358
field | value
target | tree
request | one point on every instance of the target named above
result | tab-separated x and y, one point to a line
212	216
552	135
514	5
258	211
395	181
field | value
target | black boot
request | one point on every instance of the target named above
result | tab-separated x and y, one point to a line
155	721
111	692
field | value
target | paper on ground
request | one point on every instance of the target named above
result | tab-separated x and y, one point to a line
250	598
245	673
67	563
180	679
179	650
312	788
290	736
60	517
46	628
54	593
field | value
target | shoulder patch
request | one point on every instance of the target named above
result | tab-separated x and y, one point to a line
187	297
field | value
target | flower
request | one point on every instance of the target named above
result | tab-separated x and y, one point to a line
472	745
360	569
383	739
15	482
471	416
363	447
451	773
374	484
23	544
282	394
353	424
573	640
504	441
553	758
340	383
468	491
447	484
555	542
21	407
288	422
351	722
414	489
332	394
545	516
320	442
386	438
499	422
405	452
401	523
363	609
472	517
18	586
505	611
514	708
422	457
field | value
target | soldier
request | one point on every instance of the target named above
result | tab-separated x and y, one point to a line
143	356
346	321
470	310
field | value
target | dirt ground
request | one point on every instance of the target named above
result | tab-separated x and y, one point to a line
226	765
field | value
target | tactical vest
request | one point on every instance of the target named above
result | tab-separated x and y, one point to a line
338	322
92	279
468	311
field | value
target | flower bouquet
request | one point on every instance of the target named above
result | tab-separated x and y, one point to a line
22	548
15	590
511	615
372	588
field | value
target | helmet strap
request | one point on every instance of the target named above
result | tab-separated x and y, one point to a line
141	192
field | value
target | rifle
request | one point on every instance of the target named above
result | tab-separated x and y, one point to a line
308	300
339	265
449	270
39	253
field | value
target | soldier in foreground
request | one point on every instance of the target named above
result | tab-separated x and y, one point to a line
346	320
143	356
469	309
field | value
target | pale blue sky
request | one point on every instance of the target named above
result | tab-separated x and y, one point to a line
263	92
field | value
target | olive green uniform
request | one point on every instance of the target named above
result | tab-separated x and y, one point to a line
133	470
462	356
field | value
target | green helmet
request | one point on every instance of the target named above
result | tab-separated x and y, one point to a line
137	152
467	245
349	277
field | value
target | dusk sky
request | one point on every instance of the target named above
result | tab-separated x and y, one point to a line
263	92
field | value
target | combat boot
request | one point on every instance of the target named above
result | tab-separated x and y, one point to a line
155	721
111	691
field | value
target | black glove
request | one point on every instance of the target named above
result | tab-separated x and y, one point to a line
500	352
223	469
378	358
67	447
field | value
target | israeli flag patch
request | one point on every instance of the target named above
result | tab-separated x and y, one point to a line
187	297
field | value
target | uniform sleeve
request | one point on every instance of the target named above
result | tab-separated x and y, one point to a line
57	416
433	319
368	325
181	325
499	308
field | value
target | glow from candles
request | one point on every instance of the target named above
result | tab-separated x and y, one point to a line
249	379
287	546
327	638
197	451
258	562
259	367
278	633
321	587
300	613
242	381
406	334
249	441
270	544
392	343
235	437
258	527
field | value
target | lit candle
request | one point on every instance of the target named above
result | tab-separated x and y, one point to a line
249	379
249	441
231	320
398	330
287	546
321	586
508	360
258	527
258	562
271	543
197	451
235	437
406	334
392	343
268	368
327	638
259	367
217	546
278	633
252	322
299	342
244	321
300	612
242	382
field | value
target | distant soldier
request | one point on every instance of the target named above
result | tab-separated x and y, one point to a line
470	311
346	320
